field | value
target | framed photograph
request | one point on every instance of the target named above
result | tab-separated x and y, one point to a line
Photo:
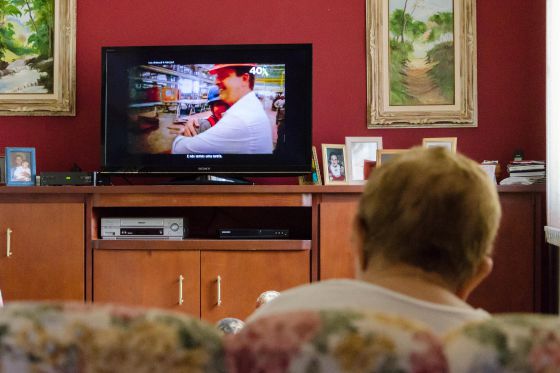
38	71
314	178
421	63
20	166
385	155
2	169
334	164
361	150
449	143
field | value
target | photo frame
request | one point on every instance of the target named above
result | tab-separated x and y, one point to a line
423	75
449	143
2	169
385	155
20	166
334	164
42	81
361	150
314	178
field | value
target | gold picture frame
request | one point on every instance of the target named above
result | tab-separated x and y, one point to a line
361	150
314	178
335	155
449	143
51	88
422	88
385	155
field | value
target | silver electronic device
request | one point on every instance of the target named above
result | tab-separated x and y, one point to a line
142	228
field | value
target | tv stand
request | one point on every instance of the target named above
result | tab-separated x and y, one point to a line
209	180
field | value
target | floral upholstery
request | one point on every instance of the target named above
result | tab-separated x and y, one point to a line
72	337
351	341
334	341
506	343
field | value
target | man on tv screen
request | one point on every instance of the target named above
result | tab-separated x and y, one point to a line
243	129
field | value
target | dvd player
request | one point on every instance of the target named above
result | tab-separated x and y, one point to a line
237	233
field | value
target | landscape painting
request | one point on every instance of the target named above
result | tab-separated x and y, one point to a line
37	57
421	63
421	59
26	46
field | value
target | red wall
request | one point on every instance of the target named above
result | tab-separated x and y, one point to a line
511	71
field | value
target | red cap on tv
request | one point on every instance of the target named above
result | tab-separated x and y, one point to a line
221	66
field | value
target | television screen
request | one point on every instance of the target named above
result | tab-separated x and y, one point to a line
230	109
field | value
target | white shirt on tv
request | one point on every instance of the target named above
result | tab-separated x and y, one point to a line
345	294
244	129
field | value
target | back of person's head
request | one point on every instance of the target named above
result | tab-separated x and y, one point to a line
431	209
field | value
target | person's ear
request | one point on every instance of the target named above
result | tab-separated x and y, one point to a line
482	271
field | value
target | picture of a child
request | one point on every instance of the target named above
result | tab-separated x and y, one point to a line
22	172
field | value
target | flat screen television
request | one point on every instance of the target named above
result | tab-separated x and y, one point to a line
163	110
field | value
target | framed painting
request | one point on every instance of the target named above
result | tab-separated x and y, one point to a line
421	63
314	178
2	169
449	143
334	164
361	152
385	155
20	166
38	57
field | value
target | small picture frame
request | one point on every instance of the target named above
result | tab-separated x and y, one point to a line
2	169
334	164
314	178
361	150
449	143
385	155
20	166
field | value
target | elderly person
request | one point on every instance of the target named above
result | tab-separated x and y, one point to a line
423	236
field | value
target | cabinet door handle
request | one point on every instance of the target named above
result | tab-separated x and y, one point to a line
181	301
219	281
8	242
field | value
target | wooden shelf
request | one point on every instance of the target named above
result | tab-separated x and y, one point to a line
203	244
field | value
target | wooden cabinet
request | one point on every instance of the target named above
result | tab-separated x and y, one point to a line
337	259
57	252
232	281
150	278
42	251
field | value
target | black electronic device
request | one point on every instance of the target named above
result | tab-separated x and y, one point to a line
148	89
255	233
66	178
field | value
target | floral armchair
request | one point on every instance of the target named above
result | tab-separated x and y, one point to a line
71	337
351	341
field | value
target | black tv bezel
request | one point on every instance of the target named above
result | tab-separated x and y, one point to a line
262	164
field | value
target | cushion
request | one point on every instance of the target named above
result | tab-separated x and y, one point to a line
75	337
506	343
334	341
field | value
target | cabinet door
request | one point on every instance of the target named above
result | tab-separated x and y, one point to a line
148	278
42	251
511	284
244	275
337	258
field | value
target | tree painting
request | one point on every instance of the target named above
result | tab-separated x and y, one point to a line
421	52
26	46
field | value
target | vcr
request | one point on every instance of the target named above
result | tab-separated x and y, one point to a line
242	233
142	228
